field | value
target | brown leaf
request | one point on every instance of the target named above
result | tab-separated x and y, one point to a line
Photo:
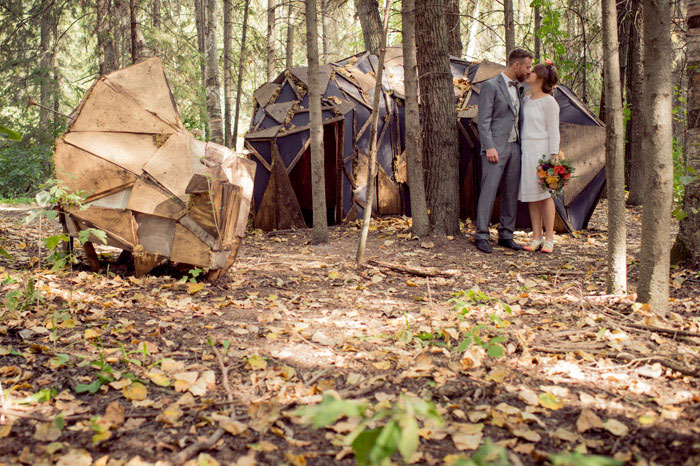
114	414
588	420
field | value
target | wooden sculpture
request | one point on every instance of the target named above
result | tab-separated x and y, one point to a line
152	187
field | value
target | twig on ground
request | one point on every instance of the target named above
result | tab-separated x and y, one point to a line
320	374
184	455
692	372
418	271
667	331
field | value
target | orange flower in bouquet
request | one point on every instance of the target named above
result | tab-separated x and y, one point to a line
554	175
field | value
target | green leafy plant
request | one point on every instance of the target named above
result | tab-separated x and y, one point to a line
488	454
383	430
579	459
22	298
191	276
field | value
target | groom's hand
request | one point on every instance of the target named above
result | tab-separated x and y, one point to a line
492	155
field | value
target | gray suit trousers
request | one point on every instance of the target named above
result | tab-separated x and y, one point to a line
506	174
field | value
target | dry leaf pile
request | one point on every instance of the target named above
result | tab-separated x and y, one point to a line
109	369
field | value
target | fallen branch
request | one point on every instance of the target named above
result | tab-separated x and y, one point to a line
418	271
691	372
667	331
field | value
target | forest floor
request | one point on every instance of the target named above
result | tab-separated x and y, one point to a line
109	369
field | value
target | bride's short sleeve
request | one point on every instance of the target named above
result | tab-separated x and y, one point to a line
551	115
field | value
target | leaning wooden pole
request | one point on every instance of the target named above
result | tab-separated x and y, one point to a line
374	122
614	154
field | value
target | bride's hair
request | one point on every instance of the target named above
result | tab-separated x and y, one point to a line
547	72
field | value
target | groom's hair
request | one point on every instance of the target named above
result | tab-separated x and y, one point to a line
518	55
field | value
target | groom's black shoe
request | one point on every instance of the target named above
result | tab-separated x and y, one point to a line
483	246
509	243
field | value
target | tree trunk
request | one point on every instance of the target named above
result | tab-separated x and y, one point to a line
367	12
614	155
139	51
199	15
216	129
374	123
471	44
654	266
106	44
156	14
45	65
289	49
538	41
414	144
509	25
239	81
318	183
439	117
228	11
635	126
452	19
686	250
57	119
271	4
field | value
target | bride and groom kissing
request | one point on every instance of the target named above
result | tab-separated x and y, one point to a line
516	130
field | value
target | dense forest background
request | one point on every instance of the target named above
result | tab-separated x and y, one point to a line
53	50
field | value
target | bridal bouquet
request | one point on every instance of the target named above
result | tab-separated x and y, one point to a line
554	175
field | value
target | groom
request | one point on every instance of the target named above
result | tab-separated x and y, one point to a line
499	131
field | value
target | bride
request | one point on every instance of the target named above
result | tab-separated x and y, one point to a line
540	137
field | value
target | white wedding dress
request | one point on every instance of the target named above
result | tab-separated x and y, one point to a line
539	137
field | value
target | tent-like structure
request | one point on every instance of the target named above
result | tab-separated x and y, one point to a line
152	187
278	141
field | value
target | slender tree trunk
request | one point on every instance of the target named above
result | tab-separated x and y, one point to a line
228	12
326	30
199	14
374	123
239	81
452	18
414	143
686	250
216	129
318	182
614	155
139	51
509	25
289	49
156	14
54	64
439	118
271	4
106	44
471	44
538	41
658	146
45	65
635	134
367	12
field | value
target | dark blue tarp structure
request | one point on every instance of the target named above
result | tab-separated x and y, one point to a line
278	142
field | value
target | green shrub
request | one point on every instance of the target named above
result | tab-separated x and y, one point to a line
24	168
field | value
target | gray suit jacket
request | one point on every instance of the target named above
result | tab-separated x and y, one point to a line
496	114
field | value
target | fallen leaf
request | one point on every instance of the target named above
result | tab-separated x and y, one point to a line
588	420
550	401
170	415
47	432
184	380
119	384
529	397
205	459
467	441
382	365
75	457
135	391
263	446
527	434
193	288
159	378
204	383
91	333
473	357
233	427
114	414
6	428
616	427
256	363
565	435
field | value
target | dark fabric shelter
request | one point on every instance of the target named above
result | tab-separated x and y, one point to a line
278	142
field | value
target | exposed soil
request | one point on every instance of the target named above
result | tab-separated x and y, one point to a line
292	321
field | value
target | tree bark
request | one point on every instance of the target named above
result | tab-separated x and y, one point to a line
239	81
538	41
216	129
289	49
657	153
139	51
635	126
452	19
156	14
414	143
325	30
509	23
367	12
471	43
686	250
271	5
439	118
318	183
374	123
106	43
614	155
199	15
228	12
